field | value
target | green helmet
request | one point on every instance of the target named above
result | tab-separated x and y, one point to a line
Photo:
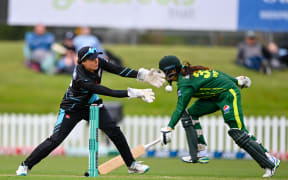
168	63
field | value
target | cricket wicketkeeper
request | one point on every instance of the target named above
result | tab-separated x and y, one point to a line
215	91
82	92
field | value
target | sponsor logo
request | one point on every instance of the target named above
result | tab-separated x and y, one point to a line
66	4
226	109
179	92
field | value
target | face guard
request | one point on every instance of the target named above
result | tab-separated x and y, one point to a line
170	73
171	66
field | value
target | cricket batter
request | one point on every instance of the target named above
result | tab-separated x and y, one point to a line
215	91
82	92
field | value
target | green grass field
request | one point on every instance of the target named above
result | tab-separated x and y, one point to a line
60	168
24	91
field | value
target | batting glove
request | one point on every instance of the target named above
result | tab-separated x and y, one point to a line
154	77
166	135
146	95
244	81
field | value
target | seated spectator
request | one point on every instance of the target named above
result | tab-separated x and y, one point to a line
276	57
37	50
85	38
283	55
68	60
110	56
253	55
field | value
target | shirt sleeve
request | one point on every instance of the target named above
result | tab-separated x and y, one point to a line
28	39
240	54
184	96
266	53
119	70
101	90
231	78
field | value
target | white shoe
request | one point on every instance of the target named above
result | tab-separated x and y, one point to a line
268	173
202	158
137	167
187	159
271	172
22	170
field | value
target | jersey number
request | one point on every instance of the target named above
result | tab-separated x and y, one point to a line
205	73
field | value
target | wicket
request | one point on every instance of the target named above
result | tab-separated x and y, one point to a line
93	140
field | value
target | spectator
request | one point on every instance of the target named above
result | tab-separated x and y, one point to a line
276	56
68	61
68	41
283	55
253	55
37	50
85	38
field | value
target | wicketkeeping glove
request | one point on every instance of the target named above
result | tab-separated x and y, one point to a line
147	95
243	81
166	135
154	77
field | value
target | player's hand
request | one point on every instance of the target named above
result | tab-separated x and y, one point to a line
166	135
146	95
243	81
154	77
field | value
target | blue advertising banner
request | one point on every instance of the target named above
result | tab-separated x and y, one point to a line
264	15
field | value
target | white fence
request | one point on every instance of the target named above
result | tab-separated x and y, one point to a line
19	133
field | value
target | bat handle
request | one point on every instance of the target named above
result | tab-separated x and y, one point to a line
147	146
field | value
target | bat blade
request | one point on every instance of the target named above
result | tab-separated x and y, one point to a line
117	162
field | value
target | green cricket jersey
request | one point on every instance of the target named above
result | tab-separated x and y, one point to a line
204	84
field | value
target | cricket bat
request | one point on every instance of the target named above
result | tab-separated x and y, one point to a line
117	162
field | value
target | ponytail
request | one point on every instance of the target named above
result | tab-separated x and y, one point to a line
188	69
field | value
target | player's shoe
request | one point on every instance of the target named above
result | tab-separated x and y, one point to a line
202	158
137	167
187	159
22	170
271	172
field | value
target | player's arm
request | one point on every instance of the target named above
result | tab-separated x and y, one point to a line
146	95
29	39
231	78
118	70
101	90
240	81
154	77
184	97
240	53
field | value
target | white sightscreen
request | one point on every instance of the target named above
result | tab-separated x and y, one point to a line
139	14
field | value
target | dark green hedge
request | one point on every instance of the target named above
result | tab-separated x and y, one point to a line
13	32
